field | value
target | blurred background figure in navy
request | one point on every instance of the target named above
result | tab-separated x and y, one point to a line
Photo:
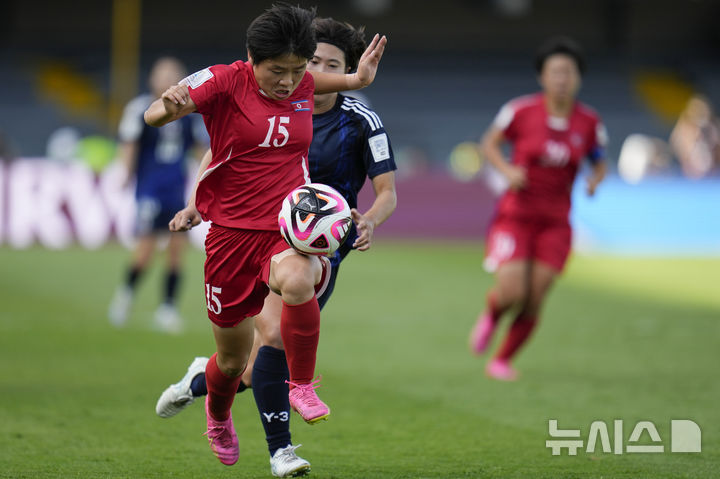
156	159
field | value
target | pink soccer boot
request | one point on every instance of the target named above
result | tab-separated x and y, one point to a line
501	370
222	438
305	402
482	333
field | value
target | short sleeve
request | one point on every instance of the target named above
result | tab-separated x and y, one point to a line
596	151
209	85
132	122
378	153
504	120
377	150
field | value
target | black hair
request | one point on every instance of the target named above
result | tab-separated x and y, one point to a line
347	38
282	29
562	45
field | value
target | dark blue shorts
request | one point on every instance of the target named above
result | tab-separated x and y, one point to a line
152	216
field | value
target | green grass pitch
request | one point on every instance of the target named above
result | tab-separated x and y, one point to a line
620	338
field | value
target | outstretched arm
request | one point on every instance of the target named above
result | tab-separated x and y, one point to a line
365	74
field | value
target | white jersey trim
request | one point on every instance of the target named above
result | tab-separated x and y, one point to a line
504	117
359	108
306	172
207	172
507	112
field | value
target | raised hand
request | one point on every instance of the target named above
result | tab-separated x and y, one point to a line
370	59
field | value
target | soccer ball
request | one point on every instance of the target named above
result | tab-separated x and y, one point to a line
315	219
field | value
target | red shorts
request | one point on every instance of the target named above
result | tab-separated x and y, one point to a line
237	269
512	239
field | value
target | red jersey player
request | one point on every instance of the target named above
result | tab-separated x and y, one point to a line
529	238
259	117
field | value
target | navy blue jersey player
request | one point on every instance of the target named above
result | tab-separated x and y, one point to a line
349	145
156	159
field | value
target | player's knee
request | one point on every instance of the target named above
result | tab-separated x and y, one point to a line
232	366
297	289
296	283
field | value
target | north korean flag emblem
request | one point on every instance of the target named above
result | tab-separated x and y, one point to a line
301	105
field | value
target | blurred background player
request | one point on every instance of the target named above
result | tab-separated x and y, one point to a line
530	236
349	145
156	159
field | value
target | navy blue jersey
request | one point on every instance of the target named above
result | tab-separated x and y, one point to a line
161	170
349	145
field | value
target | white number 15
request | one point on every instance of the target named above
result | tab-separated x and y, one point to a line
213	301
280	129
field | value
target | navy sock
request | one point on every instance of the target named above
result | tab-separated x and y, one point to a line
172	279
132	277
271	396
198	386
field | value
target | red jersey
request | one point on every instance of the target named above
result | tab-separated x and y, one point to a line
259	145
550	149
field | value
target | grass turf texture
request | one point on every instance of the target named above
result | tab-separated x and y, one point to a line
631	339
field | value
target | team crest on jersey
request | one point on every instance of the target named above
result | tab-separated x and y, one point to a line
301	105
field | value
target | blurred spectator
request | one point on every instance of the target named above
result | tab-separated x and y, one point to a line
695	140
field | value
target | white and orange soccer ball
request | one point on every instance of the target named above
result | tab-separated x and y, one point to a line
315	219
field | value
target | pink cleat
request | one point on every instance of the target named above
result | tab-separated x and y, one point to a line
222	438
482	333
501	370
306	403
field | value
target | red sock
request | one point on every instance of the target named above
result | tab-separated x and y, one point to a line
518	334
221	390
300	331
